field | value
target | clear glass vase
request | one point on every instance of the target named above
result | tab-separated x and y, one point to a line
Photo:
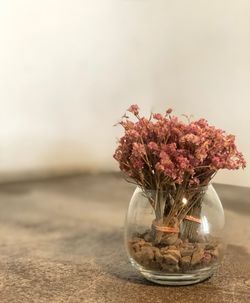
175	238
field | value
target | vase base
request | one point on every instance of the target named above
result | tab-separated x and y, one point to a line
175	279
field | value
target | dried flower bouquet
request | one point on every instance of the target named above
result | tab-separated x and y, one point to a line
173	162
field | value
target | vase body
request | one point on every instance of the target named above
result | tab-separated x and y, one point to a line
182	248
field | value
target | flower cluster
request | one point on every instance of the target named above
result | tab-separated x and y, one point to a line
162	150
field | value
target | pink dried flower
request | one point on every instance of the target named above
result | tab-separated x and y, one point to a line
134	109
138	149
127	124
137	163
164	156
194	182
183	162
159	167
133	134
190	138
157	116
153	146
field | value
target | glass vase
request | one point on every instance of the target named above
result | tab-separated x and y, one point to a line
175	237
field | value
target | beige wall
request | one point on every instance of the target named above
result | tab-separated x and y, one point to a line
70	68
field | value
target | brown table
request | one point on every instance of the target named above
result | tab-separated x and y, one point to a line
61	240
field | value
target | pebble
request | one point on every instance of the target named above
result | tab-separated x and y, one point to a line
174	252
197	256
147	253
185	261
187	250
147	244
136	247
170	259
158	257
206	258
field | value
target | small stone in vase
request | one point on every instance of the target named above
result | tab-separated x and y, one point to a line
172	247
147	244
187	250
158	257
174	252
197	256
185	261
136	247
164	249
206	258
170	259
147	253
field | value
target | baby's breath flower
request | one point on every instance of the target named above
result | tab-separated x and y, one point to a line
134	109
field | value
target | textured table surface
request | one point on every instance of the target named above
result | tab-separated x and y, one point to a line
61	240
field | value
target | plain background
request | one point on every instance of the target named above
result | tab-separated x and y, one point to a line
69	69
